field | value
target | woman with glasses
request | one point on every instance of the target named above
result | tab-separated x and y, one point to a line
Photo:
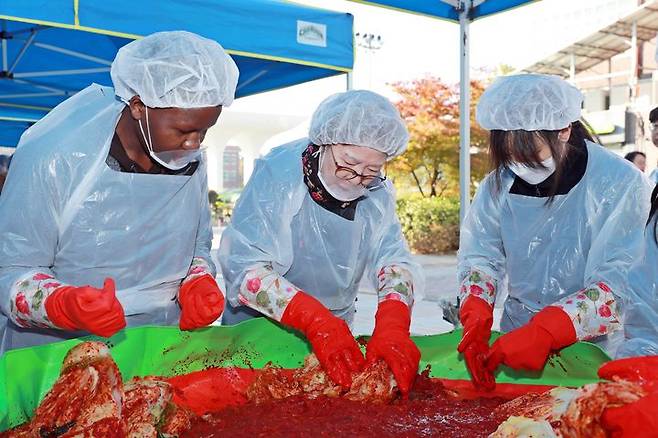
315	217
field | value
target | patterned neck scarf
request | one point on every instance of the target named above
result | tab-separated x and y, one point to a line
310	164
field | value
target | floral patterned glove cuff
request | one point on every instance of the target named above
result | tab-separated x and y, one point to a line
395	283
198	268
593	311
479	284
266	291
27	300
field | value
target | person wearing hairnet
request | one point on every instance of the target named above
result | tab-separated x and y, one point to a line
106	221
314	217
560	216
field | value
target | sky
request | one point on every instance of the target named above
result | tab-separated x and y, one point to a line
416	46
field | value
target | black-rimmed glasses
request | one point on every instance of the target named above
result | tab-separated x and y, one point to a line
347	174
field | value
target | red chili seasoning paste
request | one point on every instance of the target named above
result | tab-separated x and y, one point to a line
430	411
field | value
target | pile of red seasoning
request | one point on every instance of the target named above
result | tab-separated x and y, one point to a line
430	411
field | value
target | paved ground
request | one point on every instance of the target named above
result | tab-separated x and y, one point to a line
427	318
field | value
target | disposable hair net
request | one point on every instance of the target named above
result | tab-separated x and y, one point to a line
530	102
175	69
360	118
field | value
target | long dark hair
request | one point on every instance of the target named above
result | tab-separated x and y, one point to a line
521	146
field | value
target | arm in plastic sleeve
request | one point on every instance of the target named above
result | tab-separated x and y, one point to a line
32	200
481	255
200	296
203	244
258	240
395	274
617	242
641	313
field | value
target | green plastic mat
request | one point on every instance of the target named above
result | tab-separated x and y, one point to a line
27	374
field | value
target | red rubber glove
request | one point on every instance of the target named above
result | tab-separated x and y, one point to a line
201	302
391	342
330	337
476	315
641	369
639	418
529	346
97	311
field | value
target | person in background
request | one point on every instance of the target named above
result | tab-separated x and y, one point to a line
653	127
560	216
316	215
639	159
109	222
4	169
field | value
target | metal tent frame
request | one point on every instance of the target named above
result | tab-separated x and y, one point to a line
53	49
463	12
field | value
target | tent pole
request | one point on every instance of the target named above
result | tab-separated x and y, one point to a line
464	110
633	76
4	46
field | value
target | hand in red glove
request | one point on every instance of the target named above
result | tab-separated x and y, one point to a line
391	342
476	316
97	311
641	369
639	419
330	337
529	346
201	302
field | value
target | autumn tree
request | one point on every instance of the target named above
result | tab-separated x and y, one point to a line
431	110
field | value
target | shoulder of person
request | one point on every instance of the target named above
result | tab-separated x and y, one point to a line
606	166
283	162
494	191
612	179
63	131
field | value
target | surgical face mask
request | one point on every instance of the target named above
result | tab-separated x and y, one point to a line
536	175
173	160
337	191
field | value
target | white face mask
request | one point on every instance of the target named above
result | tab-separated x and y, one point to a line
172	160
534	176
337	191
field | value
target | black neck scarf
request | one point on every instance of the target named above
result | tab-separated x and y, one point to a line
310	164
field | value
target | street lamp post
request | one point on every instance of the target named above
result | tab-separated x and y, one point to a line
371	43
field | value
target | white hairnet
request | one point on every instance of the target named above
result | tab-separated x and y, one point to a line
530	102
360	118
175	69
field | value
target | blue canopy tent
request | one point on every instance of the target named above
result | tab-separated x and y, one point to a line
51	49
463	12
13	121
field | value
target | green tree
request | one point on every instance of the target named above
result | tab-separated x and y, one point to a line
431	163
